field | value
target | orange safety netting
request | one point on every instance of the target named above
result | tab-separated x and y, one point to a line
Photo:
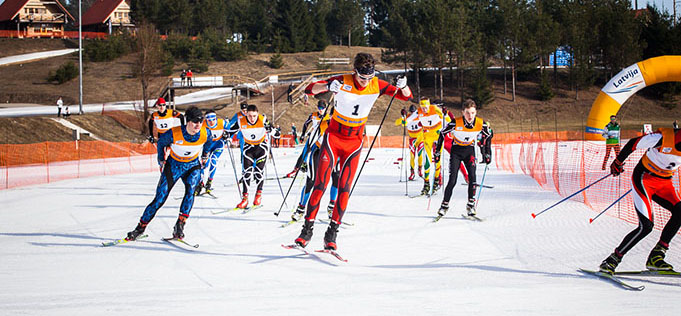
27	164
564	163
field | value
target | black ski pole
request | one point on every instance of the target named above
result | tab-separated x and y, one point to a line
231	157
276	175
372	143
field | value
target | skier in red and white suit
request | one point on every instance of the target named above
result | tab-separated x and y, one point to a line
355	95
651	181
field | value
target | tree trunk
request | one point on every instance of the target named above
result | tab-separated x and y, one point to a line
418	82
442	87
505	80
555	68
513	80
349	37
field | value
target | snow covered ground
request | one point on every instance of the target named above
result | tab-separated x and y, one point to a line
400	262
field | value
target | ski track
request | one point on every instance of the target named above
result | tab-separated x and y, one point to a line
400	262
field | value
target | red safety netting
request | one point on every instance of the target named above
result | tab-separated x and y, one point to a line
564	163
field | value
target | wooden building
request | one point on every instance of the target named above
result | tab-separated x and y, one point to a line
107	16
34	18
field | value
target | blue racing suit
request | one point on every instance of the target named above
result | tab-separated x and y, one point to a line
174	169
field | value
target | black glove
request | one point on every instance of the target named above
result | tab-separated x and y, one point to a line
403	112
436	156
616	168
303	167
151	139
204	160
487	158
226	136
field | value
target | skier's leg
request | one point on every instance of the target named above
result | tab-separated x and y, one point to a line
324	167
170	174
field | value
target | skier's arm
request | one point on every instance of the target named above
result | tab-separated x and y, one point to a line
402	94
486	143
179	116
231	130
321	86
641	142
306	125
163	141
151	128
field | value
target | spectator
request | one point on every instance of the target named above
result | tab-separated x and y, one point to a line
183	76
66	111
289	97
60	103
190	77
676	124
276	135
294	133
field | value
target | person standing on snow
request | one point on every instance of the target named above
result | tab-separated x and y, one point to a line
612	139
341	145
415	133
651	181
465	130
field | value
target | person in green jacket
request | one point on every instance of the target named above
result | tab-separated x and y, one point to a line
611	132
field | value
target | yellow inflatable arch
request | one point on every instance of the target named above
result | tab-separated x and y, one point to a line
625	84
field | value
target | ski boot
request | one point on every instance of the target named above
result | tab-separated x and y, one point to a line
244	201
426	188
298	214
209	186
420	172
330	236
610	263
656	259
199	186
258	198
470	207
138	231
178	231
412	176
329	208
292	173
305	234
443	209
438	184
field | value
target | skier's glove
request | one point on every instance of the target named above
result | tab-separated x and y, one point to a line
335	86
204	160
401	82
436	156
151	139
303	167
616	168
487	158
403	112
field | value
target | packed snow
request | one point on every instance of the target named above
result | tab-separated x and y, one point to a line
399	261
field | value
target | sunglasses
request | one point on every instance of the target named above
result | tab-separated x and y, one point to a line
365	73
196	120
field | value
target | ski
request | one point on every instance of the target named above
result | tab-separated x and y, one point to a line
420	195
480	185
437	218
171	239
472	217
325	221
333	253
613	279
226	210
208	194
661	273
250	208
296	247
288	223
121	241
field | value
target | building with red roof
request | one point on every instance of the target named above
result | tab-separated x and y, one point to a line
34	18
105	15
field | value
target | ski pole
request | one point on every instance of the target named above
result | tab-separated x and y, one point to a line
372	142
477	199
591	220
571	195
231	158
275	169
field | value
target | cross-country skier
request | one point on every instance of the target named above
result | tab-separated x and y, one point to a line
254	128
465	130
355	95
164	119
430	116
651	181
312	158
449	139
189	146
217	127
309	127
415	132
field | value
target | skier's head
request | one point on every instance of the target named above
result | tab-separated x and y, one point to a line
211	118
194	118
468	109
613	118
365	70
243	106
252	113
424	103
412	108
321	106
161	104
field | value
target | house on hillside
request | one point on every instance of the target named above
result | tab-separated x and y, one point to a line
107	15
33	18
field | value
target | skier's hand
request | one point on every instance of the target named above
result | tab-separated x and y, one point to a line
403	112
401	82
616	168
161	163
436	156
303	167
203	161
335	86
151	139
487	158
